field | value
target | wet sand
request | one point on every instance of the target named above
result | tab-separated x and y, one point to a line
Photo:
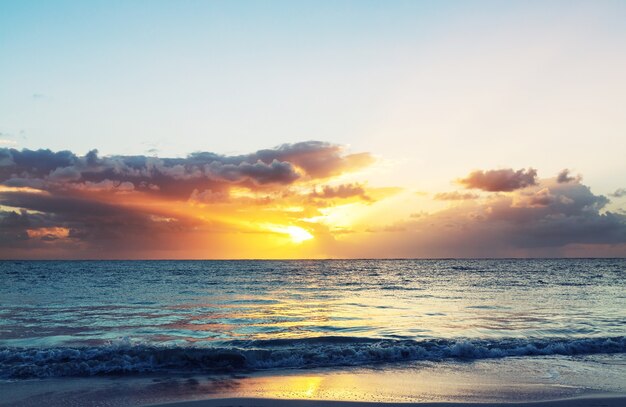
531	382
598	401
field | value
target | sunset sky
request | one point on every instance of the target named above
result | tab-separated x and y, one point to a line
196	129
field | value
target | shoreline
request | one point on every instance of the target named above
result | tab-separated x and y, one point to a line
604	400
522	382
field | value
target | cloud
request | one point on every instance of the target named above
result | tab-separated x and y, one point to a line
283	165
49	234
537	198
455	196
106	185
276	172
73	226
317	159
61	204
504	180
564	176
207	197
342	191
548	219
109	204
619	193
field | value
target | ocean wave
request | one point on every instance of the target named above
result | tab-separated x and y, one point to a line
126	357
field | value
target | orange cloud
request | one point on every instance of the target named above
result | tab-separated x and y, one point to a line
50	233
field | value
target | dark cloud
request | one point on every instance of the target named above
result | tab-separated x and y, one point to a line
455	196
33	163
556	215
275	172
17	227
177	177
505	180
620	192
544	198
13	228
318	159
341	191
63	205
80	227
564	176
549	219
106	186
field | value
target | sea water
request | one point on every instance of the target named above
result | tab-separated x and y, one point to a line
77	318
88	318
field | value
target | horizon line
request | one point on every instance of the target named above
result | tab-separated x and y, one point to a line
332	259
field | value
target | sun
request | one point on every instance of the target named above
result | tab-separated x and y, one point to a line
298	234
295	233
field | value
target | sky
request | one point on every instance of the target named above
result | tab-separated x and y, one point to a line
195	129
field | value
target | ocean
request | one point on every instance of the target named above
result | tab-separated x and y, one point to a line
77	319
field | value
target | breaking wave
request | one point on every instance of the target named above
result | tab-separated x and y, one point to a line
127	358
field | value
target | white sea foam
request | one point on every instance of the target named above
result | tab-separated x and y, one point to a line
127	358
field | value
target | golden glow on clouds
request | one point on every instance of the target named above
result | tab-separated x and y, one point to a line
208	206
53	232
28	190
338	217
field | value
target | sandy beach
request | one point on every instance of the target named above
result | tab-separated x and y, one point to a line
534	382
492	383
599	401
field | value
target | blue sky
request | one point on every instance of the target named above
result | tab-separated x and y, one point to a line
437	88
